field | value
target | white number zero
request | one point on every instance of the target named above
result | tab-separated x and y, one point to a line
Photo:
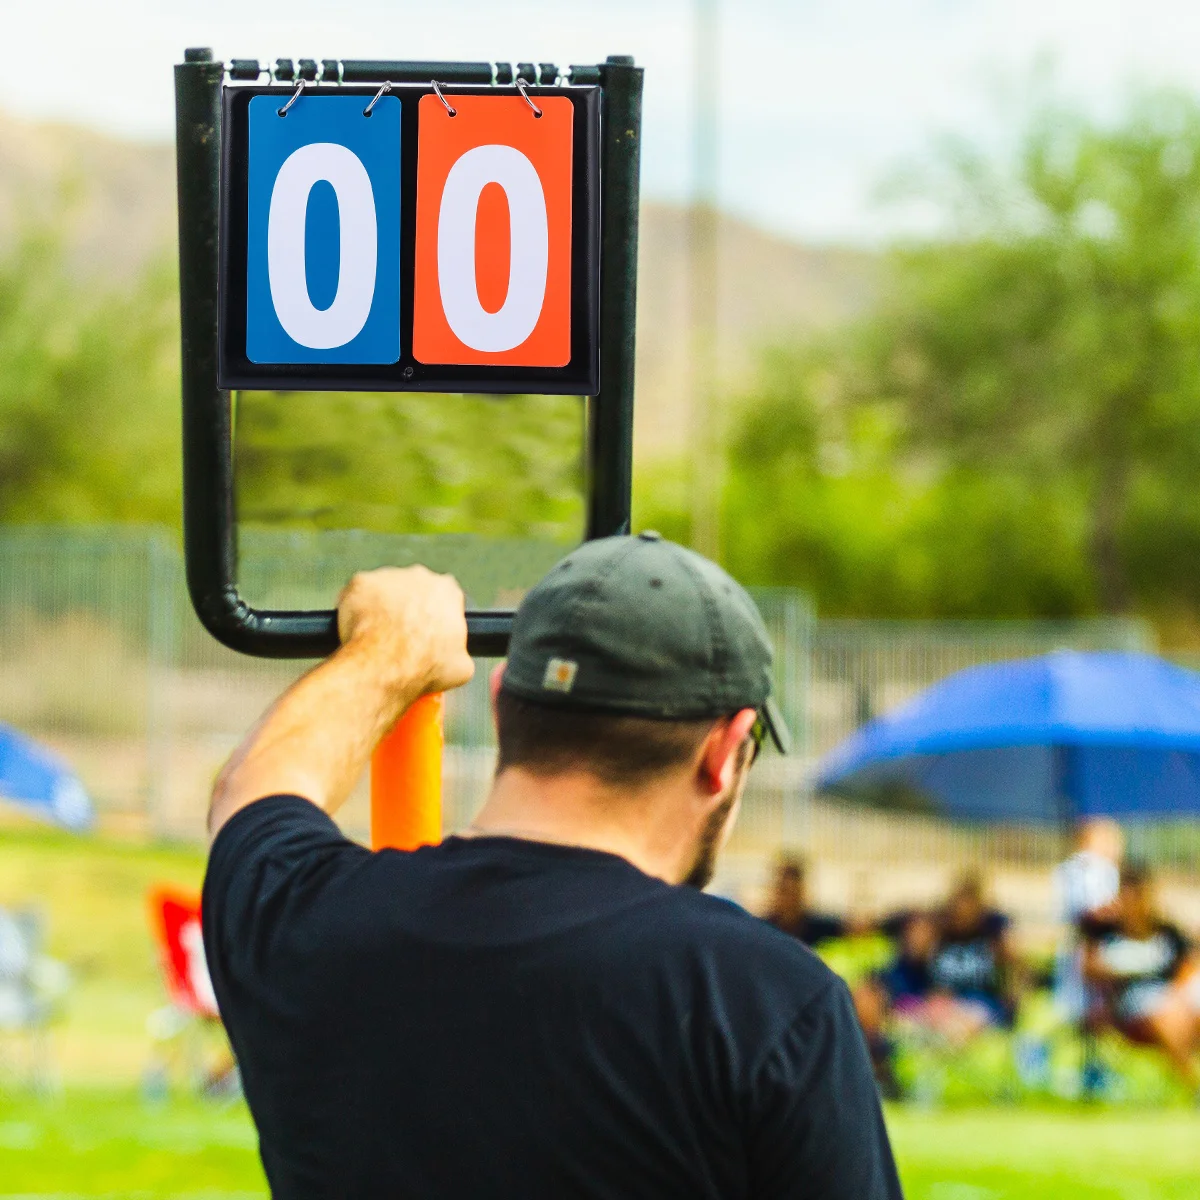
529	251
342	321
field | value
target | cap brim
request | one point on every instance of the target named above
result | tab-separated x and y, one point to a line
776	726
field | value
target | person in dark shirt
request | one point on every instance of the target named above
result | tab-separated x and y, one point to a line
907	980
790	912
546	1005
972	969
1147	973
898	991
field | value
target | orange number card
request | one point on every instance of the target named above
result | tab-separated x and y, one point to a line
493	249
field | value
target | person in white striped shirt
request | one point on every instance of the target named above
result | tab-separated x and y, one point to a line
1085	888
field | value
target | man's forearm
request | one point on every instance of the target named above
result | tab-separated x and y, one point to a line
404	633
315	740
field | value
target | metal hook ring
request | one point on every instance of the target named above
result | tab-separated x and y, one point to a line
300	84
387	87
537	112
450	109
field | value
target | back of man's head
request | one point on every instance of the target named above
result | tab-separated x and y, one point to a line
619	751
622	658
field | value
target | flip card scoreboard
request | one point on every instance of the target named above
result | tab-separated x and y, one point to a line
410	237
399	226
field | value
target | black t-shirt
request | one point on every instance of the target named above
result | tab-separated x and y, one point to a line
905	978
500	1018
1130	960
811	928
967	962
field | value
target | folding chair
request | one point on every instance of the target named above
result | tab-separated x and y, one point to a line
33	988
184	1030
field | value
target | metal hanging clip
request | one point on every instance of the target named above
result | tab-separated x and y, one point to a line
300	86
450	109
537	112
387	87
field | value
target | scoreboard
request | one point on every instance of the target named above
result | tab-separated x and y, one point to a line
410	237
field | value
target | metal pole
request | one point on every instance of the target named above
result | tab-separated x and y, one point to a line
610	412
207	466
208	492
707	429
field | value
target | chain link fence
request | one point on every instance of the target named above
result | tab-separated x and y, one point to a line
102	658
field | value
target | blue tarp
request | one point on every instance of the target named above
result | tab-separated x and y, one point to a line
1050	739
35	779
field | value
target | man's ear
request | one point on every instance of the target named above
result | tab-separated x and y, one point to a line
494	681
718	755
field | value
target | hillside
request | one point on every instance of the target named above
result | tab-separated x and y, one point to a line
117	201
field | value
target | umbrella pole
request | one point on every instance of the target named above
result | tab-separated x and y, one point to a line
1090	1070
1064	781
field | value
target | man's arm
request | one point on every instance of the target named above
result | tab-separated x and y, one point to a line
1094	970
404	634
816	1127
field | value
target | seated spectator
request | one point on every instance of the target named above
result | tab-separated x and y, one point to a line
897	991
1147	974
951	976
790	911
906	981
972	968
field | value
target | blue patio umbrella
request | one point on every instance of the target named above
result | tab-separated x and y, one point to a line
37	780
1054	738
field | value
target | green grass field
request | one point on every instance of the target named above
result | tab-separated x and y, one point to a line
98	1137
94	1143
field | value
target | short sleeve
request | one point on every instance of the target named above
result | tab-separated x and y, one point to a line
816	1126
893	925
1180	945
823	927
1093	929
269	865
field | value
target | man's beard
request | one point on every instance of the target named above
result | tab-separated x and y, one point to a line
709	846
712	836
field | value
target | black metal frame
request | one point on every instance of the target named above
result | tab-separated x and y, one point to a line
209	525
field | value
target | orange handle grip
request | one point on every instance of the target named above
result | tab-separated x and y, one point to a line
406	779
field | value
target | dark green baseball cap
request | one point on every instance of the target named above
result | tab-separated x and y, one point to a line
642	627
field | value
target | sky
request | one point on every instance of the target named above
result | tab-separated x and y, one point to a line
819	100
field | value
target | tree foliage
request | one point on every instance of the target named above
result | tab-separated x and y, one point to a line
89	387
1015	428
89	428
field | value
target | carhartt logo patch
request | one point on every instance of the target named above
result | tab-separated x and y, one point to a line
560	675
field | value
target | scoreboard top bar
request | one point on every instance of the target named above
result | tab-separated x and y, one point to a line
364	70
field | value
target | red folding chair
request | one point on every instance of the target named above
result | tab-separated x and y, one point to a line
185	1026
175	920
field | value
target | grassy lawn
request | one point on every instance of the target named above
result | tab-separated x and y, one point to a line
111	1144
99	1138
1055	1154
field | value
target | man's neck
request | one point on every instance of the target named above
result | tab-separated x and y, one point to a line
575	809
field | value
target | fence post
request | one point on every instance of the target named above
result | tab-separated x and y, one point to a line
160	660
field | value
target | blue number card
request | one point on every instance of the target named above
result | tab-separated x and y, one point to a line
323	231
